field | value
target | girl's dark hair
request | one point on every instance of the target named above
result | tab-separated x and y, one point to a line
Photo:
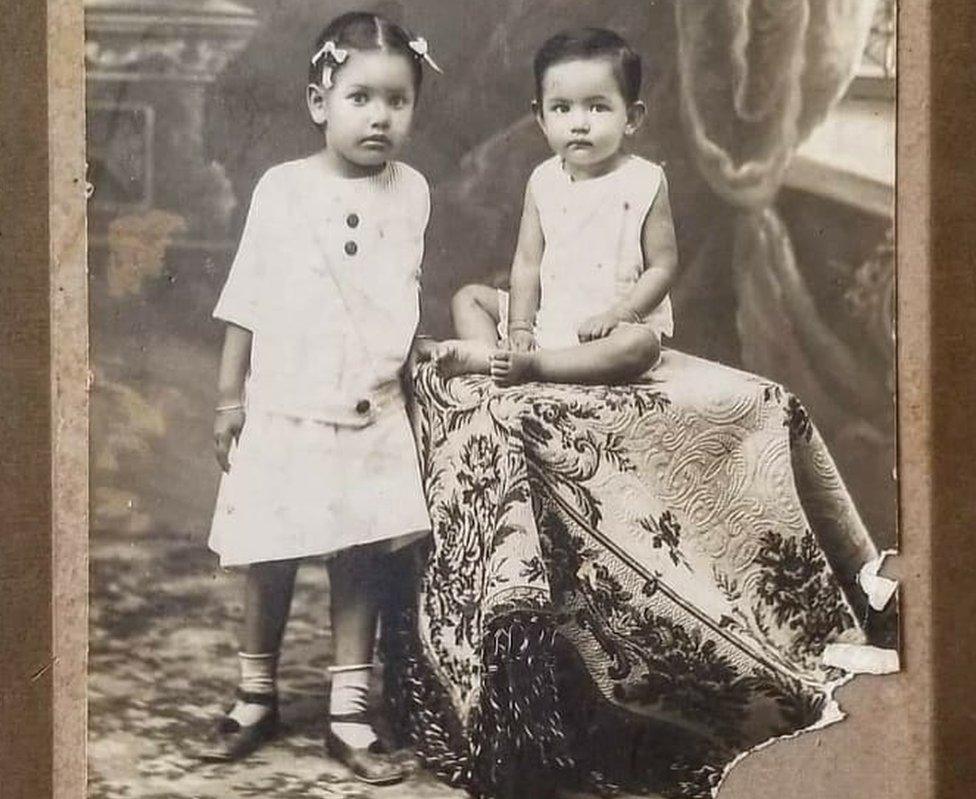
360	30
589	43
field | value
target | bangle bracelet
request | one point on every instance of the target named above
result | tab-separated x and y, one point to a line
516	325
237	406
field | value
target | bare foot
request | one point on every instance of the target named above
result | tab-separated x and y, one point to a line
461	357
510	368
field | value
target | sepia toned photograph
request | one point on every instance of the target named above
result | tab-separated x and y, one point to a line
487	399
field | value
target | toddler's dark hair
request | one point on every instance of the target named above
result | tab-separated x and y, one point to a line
589	43
360	30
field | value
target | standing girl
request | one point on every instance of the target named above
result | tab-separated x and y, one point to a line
321	306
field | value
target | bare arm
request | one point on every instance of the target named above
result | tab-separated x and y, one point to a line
234	363
660	259
525	290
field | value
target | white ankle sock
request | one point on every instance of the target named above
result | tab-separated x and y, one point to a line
350	694
258	676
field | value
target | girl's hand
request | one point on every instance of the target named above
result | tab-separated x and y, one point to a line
227	428
425	349
521	341
598	326
439	351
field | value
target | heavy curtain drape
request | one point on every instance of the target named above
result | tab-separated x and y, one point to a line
756	77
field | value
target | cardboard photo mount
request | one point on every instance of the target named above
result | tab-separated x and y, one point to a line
908	736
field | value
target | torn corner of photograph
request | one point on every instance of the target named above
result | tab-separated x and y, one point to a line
861	658
879	590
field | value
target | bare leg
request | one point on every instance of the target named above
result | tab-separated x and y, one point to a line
355	583
354	589
624	355
267	599
474	311
268	590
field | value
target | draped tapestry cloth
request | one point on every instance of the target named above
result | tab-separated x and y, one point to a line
630	584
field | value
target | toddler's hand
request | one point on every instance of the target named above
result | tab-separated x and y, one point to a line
598	326
227	428
521	341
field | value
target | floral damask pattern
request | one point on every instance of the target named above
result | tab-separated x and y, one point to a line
649	541
796	585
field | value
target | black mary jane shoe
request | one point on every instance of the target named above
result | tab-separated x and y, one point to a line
373	764
231	741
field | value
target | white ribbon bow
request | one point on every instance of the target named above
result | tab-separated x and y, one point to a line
336	55
329	49
422	49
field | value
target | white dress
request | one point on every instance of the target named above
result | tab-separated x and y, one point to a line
327	279
593	255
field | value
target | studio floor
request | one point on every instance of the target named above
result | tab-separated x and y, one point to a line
162	659
163	665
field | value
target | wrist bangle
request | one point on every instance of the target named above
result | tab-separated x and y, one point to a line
237	406
517	325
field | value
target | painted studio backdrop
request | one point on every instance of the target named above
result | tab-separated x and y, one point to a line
781	173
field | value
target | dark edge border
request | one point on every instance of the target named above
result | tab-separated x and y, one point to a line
953	371
26	673
25	500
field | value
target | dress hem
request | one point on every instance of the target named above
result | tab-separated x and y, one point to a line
393	543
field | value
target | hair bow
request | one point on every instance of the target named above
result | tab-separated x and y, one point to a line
422	49
333	54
